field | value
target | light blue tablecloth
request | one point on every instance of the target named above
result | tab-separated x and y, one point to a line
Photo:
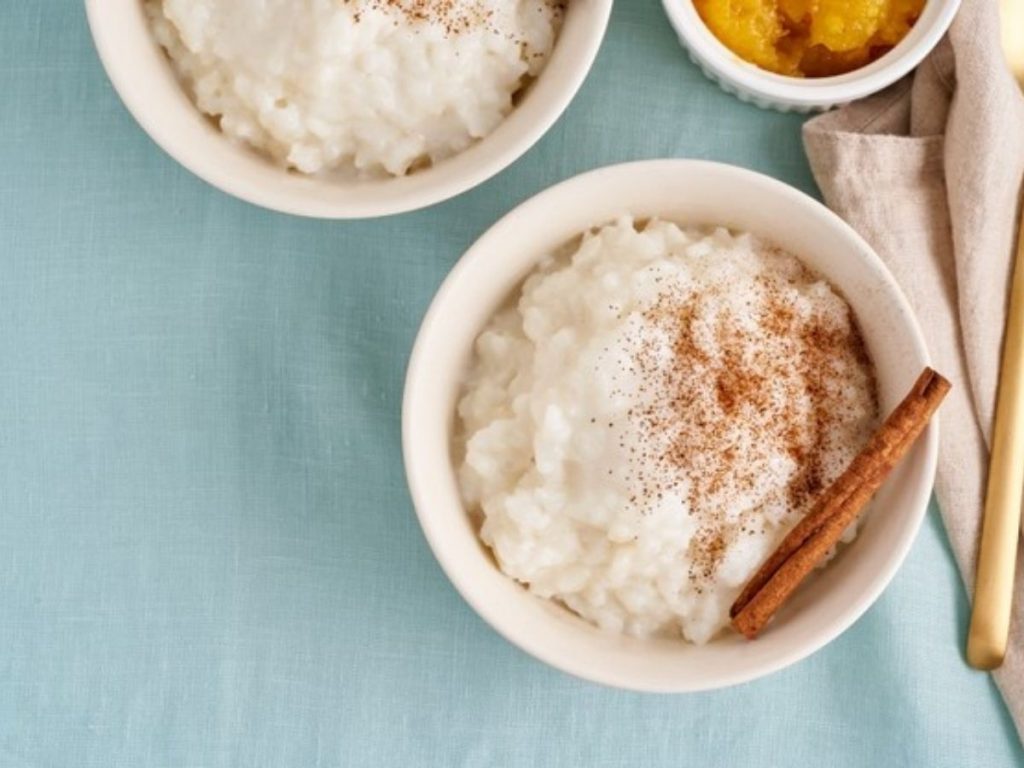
207	553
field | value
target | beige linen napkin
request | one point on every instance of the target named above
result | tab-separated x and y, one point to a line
928	172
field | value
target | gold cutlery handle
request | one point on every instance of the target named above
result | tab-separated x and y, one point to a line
993	588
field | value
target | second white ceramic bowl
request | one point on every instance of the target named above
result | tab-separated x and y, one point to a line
688	192
142	76
767	89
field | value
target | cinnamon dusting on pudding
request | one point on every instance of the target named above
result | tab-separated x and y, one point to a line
727	388
456	17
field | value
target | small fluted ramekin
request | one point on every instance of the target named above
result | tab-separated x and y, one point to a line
793	94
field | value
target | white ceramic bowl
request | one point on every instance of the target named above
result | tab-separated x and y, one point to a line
142	76
688	192
767	89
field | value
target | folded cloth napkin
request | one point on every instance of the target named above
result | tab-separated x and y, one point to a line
929	173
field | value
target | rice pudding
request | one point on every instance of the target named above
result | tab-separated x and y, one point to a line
363	88
654	413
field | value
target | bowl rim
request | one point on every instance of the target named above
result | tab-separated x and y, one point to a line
809	93
419	367
326	198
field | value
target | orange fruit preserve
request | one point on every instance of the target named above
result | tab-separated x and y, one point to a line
809	38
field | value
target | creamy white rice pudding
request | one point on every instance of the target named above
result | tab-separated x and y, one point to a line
655	412
358	87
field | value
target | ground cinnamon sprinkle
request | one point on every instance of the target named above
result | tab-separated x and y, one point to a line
736	387
456	17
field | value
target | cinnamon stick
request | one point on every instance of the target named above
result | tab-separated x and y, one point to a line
811	539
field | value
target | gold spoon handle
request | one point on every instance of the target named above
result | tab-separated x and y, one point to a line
993	588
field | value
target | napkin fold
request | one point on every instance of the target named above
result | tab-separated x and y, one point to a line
929	172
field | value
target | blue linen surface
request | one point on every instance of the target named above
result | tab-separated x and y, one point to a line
208	556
